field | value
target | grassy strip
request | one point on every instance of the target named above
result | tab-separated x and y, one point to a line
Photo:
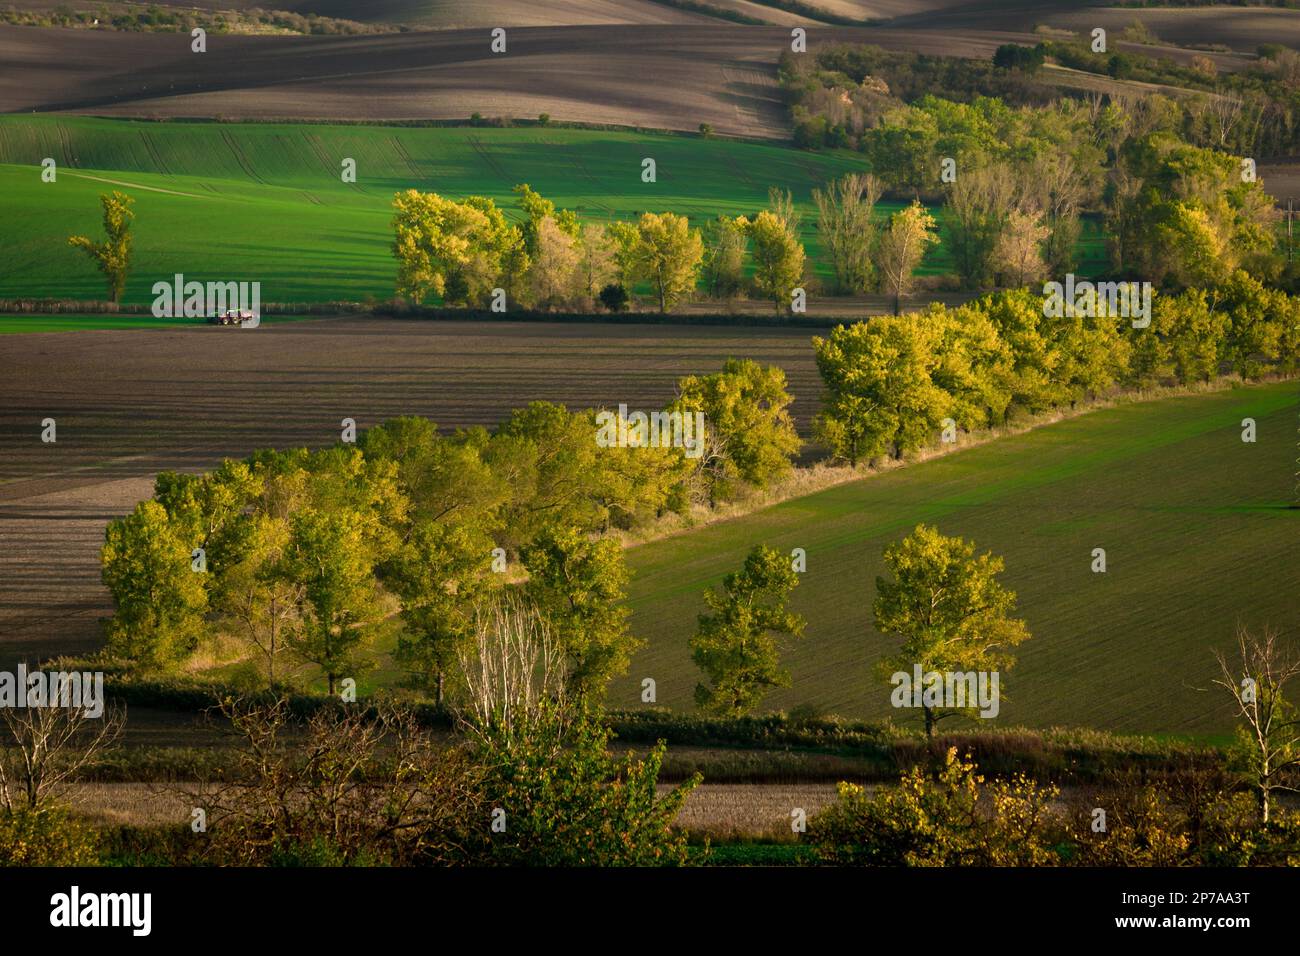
767	749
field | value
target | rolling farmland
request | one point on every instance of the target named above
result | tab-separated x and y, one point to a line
267	202
1193	520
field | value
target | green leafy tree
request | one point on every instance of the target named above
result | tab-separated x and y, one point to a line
973	366
536	208
1260	320
113	255
737	645
664	250
1032	343
948	607
1193	220
778	257
455	250
579	585
441	573
256	601
159	600
746	415
880	393
327	558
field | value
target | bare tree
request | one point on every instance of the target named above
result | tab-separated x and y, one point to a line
781	203
979	204
1272	729
1018	253
844	219
1060	188
366	784
512	669
1226	112
42	749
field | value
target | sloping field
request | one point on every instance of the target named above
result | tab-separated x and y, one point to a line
654	76
1194	523
266	202
442	14
130	403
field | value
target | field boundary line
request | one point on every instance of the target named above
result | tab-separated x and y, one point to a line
818	477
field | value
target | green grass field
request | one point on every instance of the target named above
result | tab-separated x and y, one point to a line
1195	525
266	201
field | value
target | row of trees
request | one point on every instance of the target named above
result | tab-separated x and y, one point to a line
942	602
893	383
308	555
462	252
312	553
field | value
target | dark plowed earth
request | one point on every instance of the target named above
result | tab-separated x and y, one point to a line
667	77
128	404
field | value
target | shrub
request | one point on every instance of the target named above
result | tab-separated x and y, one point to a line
938	820
568	802
614	297
49	836
1013	56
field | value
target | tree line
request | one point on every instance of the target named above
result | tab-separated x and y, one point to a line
894	382
308	555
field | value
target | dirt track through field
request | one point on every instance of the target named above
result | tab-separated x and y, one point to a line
128	404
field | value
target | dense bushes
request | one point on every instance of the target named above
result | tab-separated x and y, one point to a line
46	836
940	819
946	815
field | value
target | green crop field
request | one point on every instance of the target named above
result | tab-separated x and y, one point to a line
1194	521
266	202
